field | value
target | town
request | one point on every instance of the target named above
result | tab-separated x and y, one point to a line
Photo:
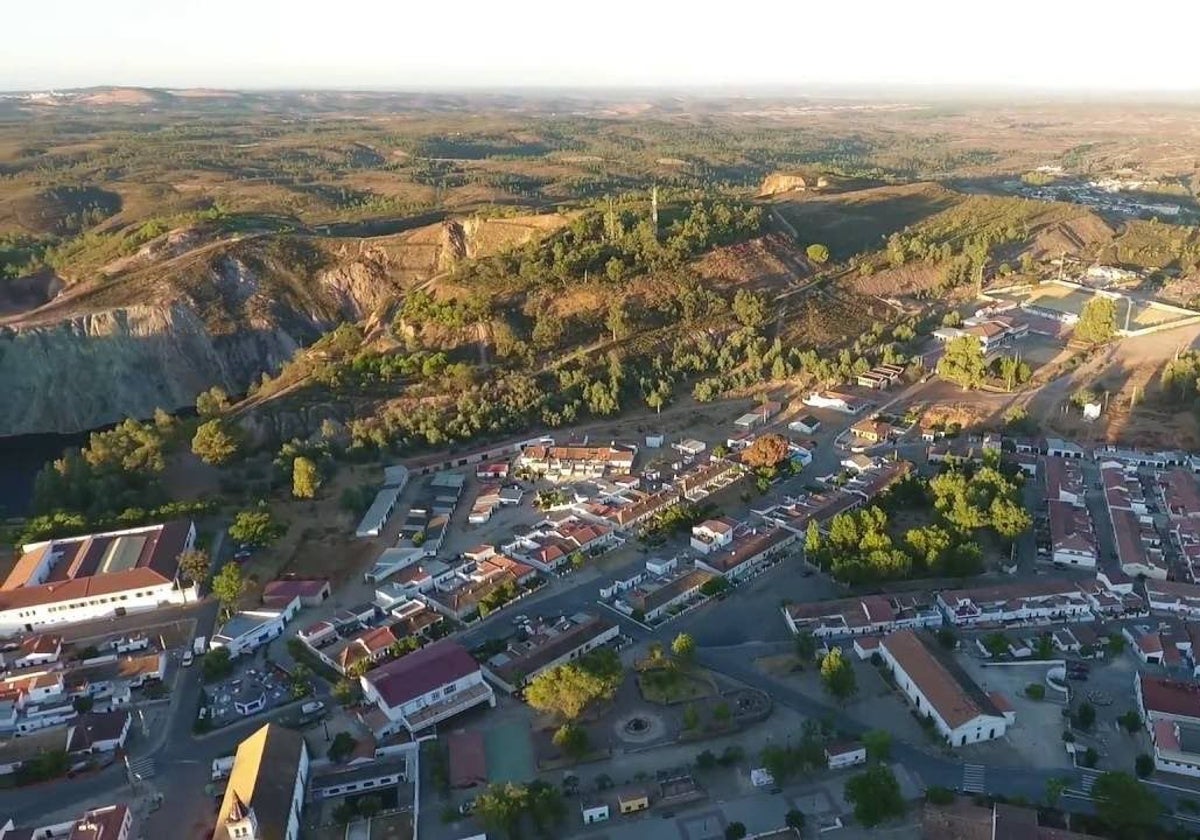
584	633
420	457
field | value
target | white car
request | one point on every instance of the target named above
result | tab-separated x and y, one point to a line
188	658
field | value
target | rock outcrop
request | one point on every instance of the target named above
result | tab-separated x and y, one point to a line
224	314
101	367
784	182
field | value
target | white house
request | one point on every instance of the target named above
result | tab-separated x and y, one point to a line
806	425
936	686
593	811
249	630
846	754
835	402
426	687
1072	540
713	534
1182	599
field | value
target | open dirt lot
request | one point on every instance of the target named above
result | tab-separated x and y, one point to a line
1036	738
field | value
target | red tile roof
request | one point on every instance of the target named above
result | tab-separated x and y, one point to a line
1169	697
949	690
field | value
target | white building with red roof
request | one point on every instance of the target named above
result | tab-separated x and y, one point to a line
713	534
96	576
1072	540
426	687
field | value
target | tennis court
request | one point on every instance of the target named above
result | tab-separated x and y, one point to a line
509	751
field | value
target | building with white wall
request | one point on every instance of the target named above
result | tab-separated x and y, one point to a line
938	687
547	645
249	630
96	576
426	687
265	794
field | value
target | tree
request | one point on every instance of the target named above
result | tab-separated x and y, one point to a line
545	806
735	831
229	586
1144	765
684	648
216	664
749	308
1127	806
1013	371
255	527
1035	691
1097	321
212	402
766	452
1116	644
878	743
806	646
1131	721
301	677
617	321
306	479
706	760
568	689
1054	791
837	674
572	740
963	363
346	692
1085	717
794	820
812	541
817	253
343	744
194	565
691	718
369	806
938	795
875	795
212	444
500	807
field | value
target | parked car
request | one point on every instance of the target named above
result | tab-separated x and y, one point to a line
188	658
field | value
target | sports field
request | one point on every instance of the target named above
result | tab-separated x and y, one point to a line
509	751
1071	301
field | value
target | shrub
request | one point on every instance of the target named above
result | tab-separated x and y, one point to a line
1035	691
938	795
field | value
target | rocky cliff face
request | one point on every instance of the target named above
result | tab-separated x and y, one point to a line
155	336
98	368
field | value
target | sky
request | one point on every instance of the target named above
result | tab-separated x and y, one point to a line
1054	45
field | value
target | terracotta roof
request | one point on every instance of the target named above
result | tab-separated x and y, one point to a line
149	556
949	690
1169	697
420	672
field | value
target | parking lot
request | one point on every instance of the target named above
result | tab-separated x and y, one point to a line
252	688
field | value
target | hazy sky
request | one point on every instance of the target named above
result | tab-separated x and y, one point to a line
1052	44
